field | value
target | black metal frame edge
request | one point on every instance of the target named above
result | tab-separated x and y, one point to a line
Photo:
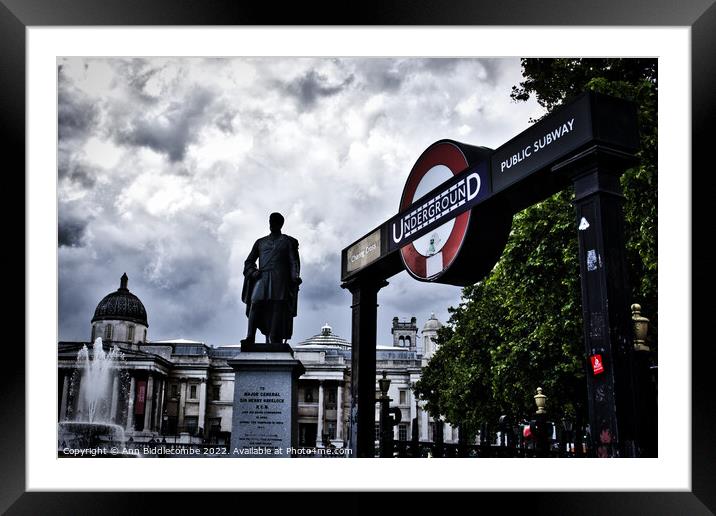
700	15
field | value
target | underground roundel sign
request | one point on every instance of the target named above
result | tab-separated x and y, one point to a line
430	255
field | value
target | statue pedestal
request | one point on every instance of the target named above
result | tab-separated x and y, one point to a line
264	422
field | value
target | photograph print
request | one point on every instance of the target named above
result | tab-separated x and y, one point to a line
357	257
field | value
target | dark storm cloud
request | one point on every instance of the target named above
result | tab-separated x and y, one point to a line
321	285
388	80
75	170
76	113
135	74
70	231
383	75
312	85
439	64
172	223
173	130
181	292
448	66
225	122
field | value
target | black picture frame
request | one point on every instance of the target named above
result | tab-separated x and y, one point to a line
699	15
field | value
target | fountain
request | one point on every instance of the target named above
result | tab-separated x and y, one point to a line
92	426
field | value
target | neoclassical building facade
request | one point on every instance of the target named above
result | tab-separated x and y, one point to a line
181	391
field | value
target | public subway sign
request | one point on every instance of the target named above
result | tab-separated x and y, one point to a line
551	138
453	212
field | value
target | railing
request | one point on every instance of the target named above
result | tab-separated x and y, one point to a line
424	449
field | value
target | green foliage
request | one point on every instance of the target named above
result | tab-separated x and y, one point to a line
521	327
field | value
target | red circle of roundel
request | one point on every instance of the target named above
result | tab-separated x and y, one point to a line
449	155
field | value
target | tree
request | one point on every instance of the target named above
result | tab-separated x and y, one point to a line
521	327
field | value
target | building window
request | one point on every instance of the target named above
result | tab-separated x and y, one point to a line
216	392
331	430
94	330
175	390
402	432
214	425
331	396
130	333
192	392
145	336
407	341
108	332
377	431
403	397
308	396
192	424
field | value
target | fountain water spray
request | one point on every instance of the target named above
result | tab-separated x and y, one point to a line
97	373
93	422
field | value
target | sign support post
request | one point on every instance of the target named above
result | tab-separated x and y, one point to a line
361	433
605	298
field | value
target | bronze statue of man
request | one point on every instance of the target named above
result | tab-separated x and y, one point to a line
270	290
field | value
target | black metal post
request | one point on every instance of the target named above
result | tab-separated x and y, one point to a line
415	437
363	339
461	442
439	439
648	416
605	298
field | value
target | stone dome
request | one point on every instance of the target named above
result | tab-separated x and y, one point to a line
325	339
432	323
121	305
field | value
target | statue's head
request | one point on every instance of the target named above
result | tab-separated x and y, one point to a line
275	221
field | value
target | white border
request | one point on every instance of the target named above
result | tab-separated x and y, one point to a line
671	471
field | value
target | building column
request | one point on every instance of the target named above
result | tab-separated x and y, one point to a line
413	413
130	406
65	392
148	404
319	432
115	397
182	401
77	398
202	405
424	424
160	405
339	411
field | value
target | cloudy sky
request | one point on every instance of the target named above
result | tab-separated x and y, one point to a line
169	168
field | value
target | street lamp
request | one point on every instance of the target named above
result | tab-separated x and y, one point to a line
539	428
384	384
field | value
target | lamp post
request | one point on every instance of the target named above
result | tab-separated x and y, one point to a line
387	422
566	434
414	430
538	426
645	384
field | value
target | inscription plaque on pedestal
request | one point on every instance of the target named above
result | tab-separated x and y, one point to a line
265	404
